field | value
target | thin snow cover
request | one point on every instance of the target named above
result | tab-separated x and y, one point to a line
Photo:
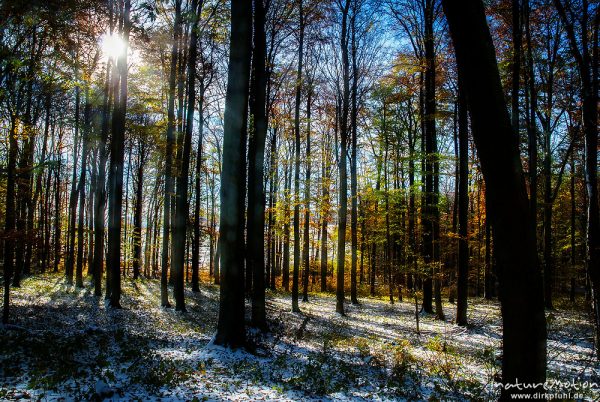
66	344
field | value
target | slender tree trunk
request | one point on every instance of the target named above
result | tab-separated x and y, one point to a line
296	271
325	218
57	209
306	256
286	230
117	156
272	207
373	269
181	202
488	281
100	195
42	252
138	211
198	189
9	216
431	209
353	162
169	185
343	176
70	262
256	152
532	150
388	239
572	229
462	288
81	189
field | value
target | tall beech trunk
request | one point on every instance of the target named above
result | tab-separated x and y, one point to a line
115	177
100	195
9	216
285	275
57	206
488	282
138	211
81	189
324	217
24	210
462	283
198	189
296	271
256	152
521	290
230	328
306	246
181	201
273	173
74	197
572	229
373	269
343	175
169	150
353	163
431	218
532	150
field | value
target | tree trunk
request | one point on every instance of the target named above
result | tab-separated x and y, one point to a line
169	185
81	189
353	163
181	202
230	328
325	217
521	291
256	155
462	283
532	151
115	188
198	189
306	248
137	212
296	271
285	274
343	176
100	195
70	262
9	216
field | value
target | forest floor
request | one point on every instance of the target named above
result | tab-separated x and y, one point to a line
66	345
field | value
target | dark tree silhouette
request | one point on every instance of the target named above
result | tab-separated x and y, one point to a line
521	291
230	329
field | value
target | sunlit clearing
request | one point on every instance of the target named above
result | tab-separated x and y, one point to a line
112	46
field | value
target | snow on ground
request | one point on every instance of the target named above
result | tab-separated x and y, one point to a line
65	344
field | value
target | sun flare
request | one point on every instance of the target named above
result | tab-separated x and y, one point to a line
113	45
